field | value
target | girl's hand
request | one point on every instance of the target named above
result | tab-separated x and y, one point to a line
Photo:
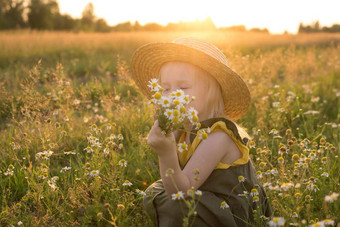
159	143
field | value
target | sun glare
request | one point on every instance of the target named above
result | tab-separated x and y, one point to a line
277	16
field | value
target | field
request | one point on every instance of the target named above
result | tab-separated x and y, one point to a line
73	125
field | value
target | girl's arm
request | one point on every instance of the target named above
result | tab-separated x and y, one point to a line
205	158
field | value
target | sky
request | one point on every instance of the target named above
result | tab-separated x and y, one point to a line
276	15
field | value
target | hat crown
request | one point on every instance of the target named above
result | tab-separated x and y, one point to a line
204	47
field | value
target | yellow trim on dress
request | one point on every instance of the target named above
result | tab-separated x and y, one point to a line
218	126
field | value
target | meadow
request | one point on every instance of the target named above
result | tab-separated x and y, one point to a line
73	126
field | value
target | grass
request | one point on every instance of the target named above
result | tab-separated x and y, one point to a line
80	92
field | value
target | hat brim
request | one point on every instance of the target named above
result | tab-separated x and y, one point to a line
148	59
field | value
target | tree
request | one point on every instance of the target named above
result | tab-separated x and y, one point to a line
42	14
88	17
11	14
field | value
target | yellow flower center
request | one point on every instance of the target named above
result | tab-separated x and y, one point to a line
204	135
175	120
158	95
176	113
195	119
177	102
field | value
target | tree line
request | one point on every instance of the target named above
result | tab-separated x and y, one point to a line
315	27
45	15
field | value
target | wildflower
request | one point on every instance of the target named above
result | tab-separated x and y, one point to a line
19	223
286	186
198	192
122	163
280	160
251	144
312	112
140	192
106	150
332	197
274	171
70	152
64	169
169	172
120	207
254	192
277	221
179	195
273	131
276	104
328	222
94	173
224	205
88	149
256	198
120	137
127	183
259	174
165	102
241	178
203	134
153	84
182	147
325	174
295	215
43	155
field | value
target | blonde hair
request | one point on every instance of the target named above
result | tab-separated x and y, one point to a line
214	101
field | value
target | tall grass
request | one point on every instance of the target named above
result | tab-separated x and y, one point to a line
80	103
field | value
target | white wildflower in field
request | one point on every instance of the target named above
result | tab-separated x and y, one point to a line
69	152
94	173
140	192
122	162
312	112
276	104
276	221
177	196
45	155
332	197
198	192
127	183
64	169
273	131
88	149
224	205
254	192
19	223
287	186
241	178
52	183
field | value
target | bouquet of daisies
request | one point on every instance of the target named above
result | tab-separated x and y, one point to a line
172	112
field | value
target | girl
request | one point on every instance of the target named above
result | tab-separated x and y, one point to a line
218	166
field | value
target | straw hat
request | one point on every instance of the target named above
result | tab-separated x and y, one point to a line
148	59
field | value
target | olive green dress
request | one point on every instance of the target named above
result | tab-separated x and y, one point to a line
223	184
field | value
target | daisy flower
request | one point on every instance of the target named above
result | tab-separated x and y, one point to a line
127	183
182	146
153	84
332	197
224	205
122	163
179	195
94	173
277	221
241	178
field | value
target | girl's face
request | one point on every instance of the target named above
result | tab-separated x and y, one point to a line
184	76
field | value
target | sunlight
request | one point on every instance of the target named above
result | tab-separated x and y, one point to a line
277	16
